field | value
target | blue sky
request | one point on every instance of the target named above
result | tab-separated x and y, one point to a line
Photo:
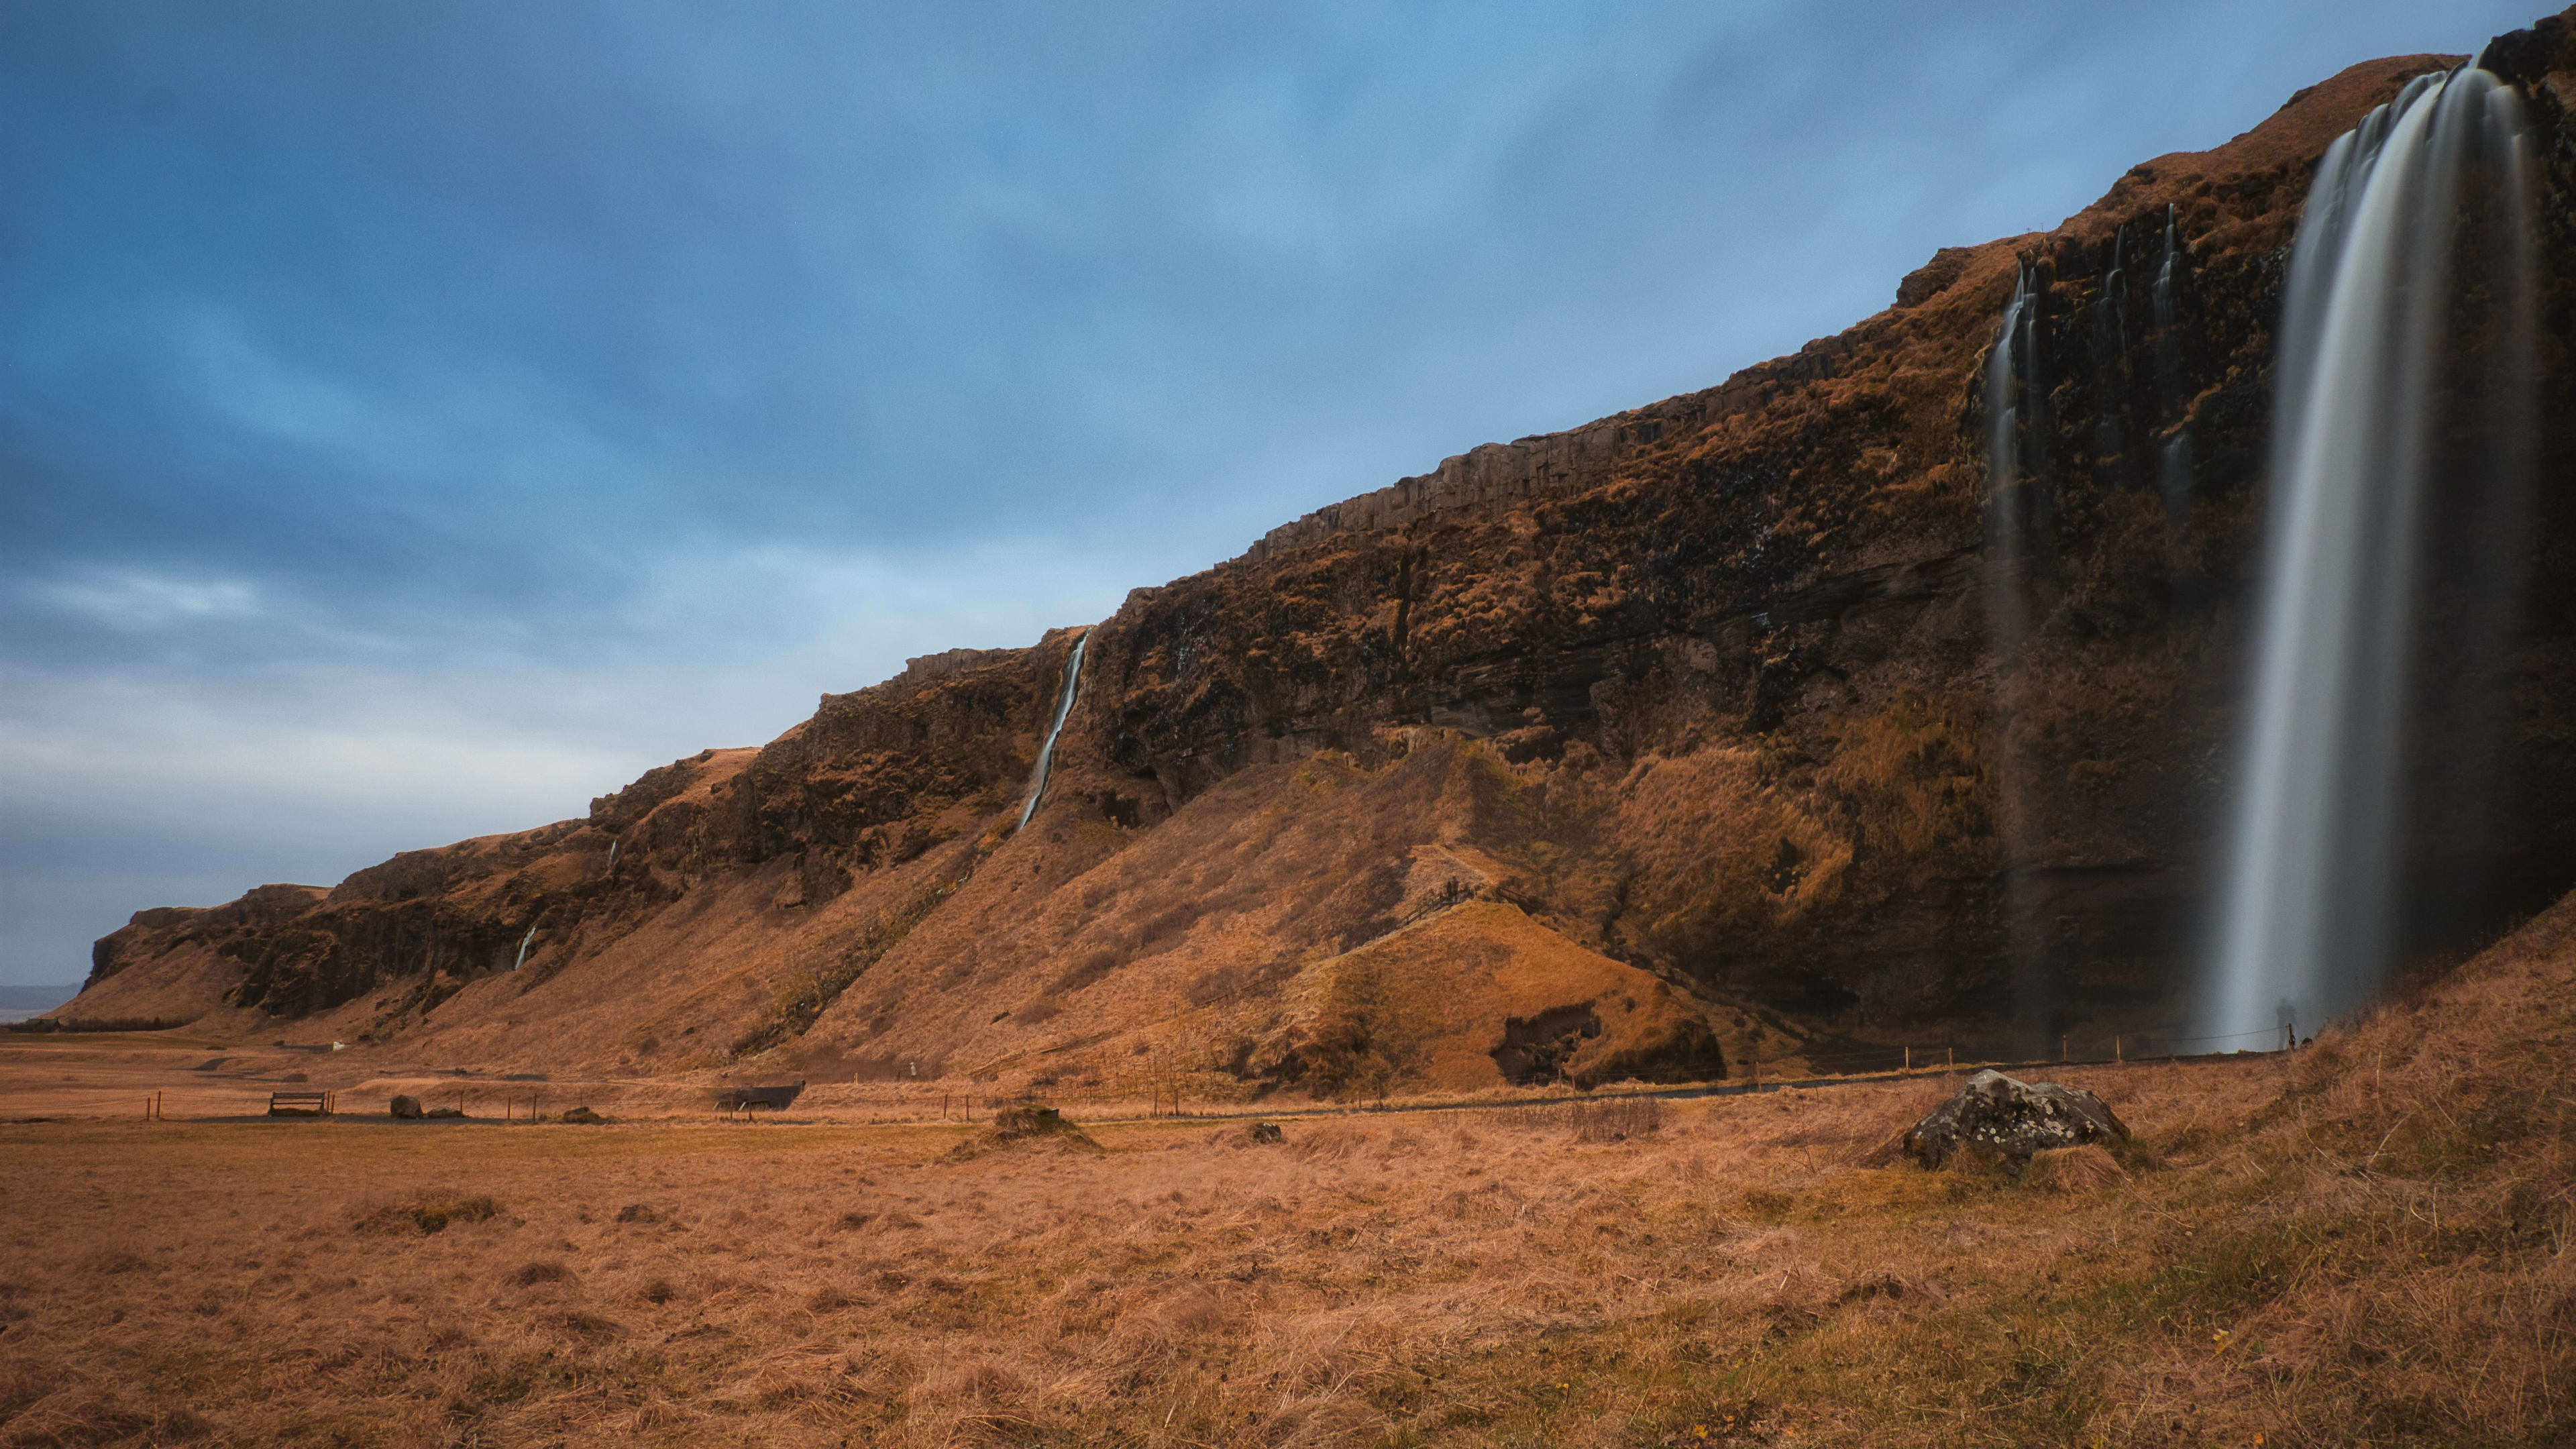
416	419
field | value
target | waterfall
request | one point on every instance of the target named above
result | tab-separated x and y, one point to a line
2010	394
2110	350
523	948
1046	750
2014	417
2305	922
2173	461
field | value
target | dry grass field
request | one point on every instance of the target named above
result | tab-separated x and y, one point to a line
2367	1242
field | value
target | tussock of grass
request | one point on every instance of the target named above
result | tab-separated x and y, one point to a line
1024	1125
430	1213
528	1275
2074	1171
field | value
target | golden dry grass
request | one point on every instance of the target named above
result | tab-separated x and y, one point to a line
2365	1244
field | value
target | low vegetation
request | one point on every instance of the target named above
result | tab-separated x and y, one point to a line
2368	1242
48	1025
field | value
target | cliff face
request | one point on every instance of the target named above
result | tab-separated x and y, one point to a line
1846	779
1732	699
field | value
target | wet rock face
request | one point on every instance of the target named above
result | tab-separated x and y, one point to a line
2014	1118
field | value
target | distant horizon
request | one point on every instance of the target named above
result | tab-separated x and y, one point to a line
415	425
23	1000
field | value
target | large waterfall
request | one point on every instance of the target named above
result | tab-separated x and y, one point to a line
1046	750
2362	450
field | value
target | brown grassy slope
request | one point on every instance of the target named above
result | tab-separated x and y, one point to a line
1213	942
1443	1003
2366	1244
672	920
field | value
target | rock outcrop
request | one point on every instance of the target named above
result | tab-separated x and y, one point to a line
2012	1118
1700	709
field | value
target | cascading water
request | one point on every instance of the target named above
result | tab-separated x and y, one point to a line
2011	398
2015	445
2173	460
1046	750
2111	345
523	948
2305	924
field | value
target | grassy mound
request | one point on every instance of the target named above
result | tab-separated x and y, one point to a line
1025	1124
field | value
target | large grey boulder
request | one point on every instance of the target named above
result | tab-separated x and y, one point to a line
2012	1117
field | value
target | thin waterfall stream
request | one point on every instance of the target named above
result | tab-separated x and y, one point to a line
2173	459
1063	708
2016	460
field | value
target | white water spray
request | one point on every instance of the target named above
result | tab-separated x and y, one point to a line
523	948
1063	707
2306	919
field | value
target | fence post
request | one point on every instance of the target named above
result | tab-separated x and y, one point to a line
2116	1054
1909	1059
1757	1066
2061	1047
1950	1059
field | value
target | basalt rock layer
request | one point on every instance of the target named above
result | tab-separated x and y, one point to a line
1697	717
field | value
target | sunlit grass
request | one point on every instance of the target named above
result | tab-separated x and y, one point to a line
2366	1244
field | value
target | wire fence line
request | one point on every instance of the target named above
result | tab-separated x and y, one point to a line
2140	1044
1163	1086
131	1104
